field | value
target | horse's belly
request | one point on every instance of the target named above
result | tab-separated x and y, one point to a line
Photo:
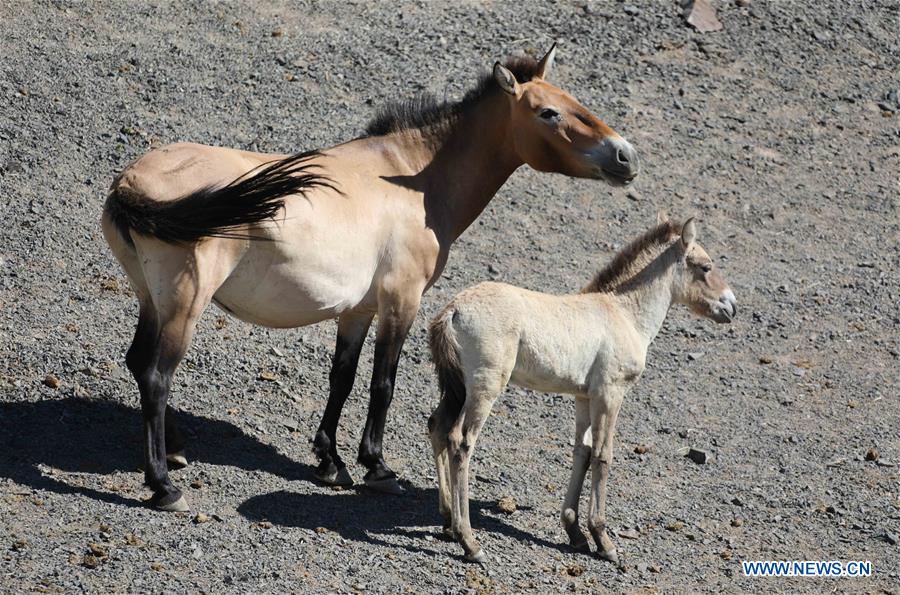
294	292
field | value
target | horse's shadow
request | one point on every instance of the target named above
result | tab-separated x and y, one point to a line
103	437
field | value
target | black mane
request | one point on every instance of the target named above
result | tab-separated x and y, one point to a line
435	117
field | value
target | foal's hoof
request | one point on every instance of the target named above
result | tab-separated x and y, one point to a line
387	485
480	557
177	460
448	532
179	504
335	477
609	556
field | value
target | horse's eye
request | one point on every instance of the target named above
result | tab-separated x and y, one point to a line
549	114
706	267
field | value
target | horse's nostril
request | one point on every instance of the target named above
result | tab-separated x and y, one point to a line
621	157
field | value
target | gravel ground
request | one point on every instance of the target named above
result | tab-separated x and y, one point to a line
779	133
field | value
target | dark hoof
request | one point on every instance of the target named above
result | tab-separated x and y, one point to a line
388	485
176	460
609	556
171	503
581	546
334	476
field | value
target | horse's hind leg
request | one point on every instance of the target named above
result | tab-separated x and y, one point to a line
581	460
182	284
352	329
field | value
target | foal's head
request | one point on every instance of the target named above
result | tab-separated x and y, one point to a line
697	283
553	132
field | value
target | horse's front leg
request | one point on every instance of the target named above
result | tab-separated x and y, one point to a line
395	316
604	412
581	460
352	330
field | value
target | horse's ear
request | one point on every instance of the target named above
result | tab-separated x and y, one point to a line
689	232
546	64
505	79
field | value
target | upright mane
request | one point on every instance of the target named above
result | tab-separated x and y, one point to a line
634	257
437	118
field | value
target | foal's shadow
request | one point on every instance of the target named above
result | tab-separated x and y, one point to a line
103	437
362	516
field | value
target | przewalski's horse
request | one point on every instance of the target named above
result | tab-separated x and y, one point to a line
354	231
592	345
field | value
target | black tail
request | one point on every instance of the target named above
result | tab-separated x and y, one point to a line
445	354
217	212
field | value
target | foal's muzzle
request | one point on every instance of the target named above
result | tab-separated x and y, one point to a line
727	307
617	160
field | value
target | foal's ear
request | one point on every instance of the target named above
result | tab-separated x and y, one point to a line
505	79
546	64
689	232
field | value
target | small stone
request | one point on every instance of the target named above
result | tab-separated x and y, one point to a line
265	525
738	522
641	449
196	484
201	518
90	561
642	567
267	376
702	16
52	381
765	359
133	540
493	270
631	10
889	537
156	566
694	355
98	550
872	454
655	569
575	569
675	526
321	530
725	554
742	3
737	501
698	456
19	545
629	534
277	33
506	504
633	195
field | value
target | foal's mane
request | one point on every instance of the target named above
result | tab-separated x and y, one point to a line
634	257
435	118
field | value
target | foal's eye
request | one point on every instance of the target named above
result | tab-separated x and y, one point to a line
549	114
706	267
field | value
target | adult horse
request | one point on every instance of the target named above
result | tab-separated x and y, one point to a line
354	231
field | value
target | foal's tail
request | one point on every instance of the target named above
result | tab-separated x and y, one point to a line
216	212
445	353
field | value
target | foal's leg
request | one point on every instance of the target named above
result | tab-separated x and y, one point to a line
352	329
439	425
461	444
581	460
395	316
604	412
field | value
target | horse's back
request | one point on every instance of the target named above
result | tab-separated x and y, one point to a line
172	171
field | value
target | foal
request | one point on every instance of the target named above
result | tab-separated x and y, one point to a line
592	345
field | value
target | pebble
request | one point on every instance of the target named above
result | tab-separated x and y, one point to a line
675	526
701	457
889	537
738	522
52	381
872	454
629	534
506	504
641	449
201	518
631	10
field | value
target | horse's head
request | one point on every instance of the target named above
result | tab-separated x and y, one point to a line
698	284
553	132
